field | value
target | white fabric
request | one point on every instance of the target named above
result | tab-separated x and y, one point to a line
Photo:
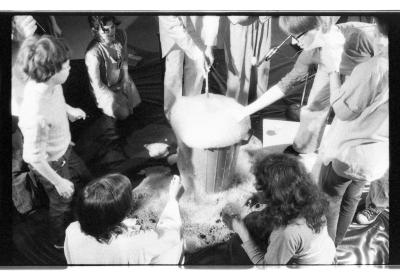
208	121
162	246
189	33
178	65
44	124
357	142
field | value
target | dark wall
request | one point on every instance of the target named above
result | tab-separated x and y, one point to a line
142	32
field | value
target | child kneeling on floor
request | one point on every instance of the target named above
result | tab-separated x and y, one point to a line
295	215
104	234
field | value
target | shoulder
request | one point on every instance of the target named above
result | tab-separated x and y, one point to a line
376	66
359	36
296	229
93	48
74	227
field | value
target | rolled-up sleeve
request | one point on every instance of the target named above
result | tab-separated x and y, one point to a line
355	94
281	249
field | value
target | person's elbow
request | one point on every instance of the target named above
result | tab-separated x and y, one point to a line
33	159
344	113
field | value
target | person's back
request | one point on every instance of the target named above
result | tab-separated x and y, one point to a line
299	244
131	247
104	234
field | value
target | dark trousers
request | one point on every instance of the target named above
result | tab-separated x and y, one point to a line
343	195
70	166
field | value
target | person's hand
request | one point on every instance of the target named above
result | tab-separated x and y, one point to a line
76	114
240	228
209	56
23	27
200	62
131	94
65	188
331	52
230	212
175	188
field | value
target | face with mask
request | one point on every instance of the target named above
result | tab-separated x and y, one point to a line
107	32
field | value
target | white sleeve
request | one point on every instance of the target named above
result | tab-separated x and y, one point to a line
210	30
175	29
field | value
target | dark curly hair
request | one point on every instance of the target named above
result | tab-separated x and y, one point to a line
102	206
97	22
42	57
289	192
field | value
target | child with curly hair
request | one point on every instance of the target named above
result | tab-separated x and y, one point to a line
295	213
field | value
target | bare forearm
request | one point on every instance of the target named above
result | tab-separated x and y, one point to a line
269	97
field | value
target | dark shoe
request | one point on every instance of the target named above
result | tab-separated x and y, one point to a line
368	215
290	150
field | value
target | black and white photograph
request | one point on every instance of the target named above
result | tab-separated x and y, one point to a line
199	138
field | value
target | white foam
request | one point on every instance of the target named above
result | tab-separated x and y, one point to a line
208	121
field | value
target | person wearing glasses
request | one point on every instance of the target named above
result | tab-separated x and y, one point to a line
106	61
312	33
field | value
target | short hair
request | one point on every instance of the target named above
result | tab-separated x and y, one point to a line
40	58
102	206
289	191
97	22
300	24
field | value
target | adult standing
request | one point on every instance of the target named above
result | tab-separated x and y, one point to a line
186	44
247	41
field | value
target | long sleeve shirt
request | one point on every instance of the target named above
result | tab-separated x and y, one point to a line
162	245
361	108
190	33
358	48
294	244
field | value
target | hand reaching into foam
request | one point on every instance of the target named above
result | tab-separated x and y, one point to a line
175	188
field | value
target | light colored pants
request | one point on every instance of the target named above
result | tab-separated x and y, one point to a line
180	68
241	43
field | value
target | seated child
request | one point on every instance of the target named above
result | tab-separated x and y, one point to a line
104	235
295	211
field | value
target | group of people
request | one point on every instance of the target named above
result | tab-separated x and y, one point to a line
308	215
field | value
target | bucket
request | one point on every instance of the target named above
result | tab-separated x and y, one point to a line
207	170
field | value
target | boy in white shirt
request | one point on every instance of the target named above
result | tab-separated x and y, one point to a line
44	124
